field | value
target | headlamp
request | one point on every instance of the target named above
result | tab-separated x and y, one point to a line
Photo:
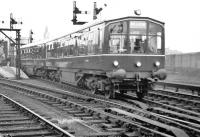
138	64
115	63
157	63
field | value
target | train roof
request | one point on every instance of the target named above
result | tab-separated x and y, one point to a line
34	44
122	18
91	25
136	17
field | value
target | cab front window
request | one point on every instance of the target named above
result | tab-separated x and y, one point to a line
154	38
118	37
145	37
135	37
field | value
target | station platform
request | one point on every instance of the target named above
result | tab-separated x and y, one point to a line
10	73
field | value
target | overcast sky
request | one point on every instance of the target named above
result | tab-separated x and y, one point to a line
181	17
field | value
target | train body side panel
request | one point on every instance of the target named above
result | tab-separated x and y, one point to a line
96	63
102	62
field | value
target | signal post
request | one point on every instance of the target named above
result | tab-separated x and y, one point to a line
16	42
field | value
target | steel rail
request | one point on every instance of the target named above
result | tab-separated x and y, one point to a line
104	114
44	122
178	86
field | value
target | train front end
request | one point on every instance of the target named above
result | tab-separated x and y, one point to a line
136	56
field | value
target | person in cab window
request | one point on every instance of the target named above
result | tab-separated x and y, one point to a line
144	45
132	45
138	46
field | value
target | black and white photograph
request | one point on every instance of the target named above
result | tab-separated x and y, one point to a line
99	68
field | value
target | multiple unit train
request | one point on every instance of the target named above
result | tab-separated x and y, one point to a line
118	55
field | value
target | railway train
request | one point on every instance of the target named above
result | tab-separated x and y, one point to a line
119	55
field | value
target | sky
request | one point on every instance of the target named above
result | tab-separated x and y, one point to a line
181	17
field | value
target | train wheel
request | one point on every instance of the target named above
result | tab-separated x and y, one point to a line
94	90
140	95
113	94
109	94
122	92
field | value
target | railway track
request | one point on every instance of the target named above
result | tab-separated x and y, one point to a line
189	89
113	119
184	101
176	101
186	122
182	107
17	120
177	107
177	116
183	97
